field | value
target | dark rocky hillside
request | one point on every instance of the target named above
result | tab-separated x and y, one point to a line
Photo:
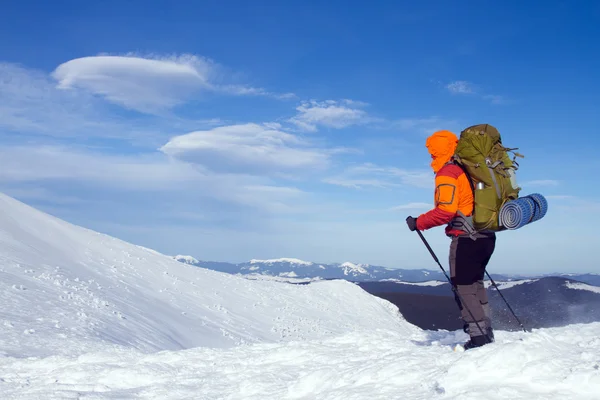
545	302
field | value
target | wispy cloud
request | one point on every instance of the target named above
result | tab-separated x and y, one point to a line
31	104
542	182
495	99
40	194
149	84
62	164
412	206
471	89
244	90
424	126
575	204
358	183
246	148
156	173
329	113
371	175
460	87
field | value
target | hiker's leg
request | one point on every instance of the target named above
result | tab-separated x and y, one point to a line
452	263
486	249
465	259
484	301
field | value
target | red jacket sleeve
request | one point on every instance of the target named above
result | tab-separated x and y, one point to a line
446	200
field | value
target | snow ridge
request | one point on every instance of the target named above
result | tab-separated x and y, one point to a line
426	283
582	286
186	259
60	283
281	260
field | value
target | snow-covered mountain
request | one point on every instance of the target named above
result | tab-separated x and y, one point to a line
294	268
86	315
68	290
307	270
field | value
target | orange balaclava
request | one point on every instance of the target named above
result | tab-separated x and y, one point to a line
441	145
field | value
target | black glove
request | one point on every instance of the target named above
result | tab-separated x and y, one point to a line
412	223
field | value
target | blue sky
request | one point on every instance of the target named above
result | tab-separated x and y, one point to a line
238	130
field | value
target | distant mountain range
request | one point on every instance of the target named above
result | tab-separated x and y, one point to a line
295	269
424	297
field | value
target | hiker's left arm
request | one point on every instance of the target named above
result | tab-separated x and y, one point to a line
446	203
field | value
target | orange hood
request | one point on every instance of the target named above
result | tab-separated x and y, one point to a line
441	145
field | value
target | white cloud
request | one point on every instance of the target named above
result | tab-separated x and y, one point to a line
246	148
39	193
469	88
495	99
357	183
541	182
149	84
418	178
576	204
463	87
243	90
425	126
30	104
58	163
143	84
412	206
329	113
85	170
370	175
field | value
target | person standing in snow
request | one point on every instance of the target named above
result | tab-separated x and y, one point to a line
468	256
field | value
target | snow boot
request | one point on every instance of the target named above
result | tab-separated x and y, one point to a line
489	332
477	341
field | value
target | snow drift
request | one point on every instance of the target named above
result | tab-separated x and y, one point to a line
67	290
85	315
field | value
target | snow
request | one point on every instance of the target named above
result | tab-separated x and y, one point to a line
427	283
62	284
281	260
508	284
85	315
187	259
378	364
349	267
582	286
279	278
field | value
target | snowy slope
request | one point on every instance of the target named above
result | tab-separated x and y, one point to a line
68	290
559	363
85	315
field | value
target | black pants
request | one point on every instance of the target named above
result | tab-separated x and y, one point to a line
468	261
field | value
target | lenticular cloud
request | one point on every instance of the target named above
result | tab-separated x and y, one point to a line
143	84
246	148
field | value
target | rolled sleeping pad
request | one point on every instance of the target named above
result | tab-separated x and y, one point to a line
517	213
541	206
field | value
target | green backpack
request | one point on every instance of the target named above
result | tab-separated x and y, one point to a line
491	172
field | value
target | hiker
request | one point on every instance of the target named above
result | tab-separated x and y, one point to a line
469	254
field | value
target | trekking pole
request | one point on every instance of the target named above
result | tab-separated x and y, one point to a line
509	307
454	289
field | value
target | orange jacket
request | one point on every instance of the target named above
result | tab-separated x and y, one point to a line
453	191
